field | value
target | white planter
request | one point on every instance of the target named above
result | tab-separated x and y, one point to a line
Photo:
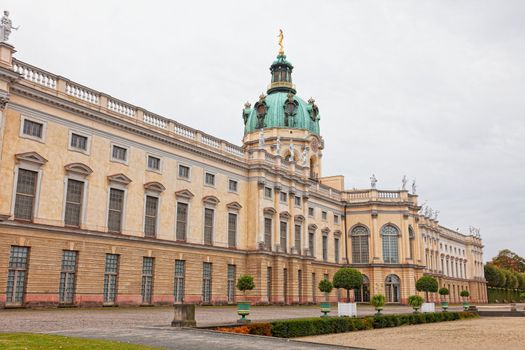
428	307
347	309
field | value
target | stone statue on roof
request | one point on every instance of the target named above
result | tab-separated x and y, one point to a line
404	181
6	26
414	186
261	139
373	181
278	146
304	156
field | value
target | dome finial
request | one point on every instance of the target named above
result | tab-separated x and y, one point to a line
281	48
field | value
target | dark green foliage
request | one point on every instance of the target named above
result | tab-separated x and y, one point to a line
348	278
326	325
427	284
325	286
464	294
443	291
415	301
491	275
502	278
245	282
377	300
498	295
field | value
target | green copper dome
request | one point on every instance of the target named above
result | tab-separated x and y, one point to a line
281	108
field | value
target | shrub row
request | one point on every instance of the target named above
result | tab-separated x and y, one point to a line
501	295
327	325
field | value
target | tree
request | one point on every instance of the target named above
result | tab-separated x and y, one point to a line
348	278
521	280
326	287
512	280
244	283
491	275
507	259
444	292
502	278
427	284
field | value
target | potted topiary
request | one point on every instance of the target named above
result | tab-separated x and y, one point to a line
465	294
244	283
415	301
347	278
378	301
427	284
326	287
444	303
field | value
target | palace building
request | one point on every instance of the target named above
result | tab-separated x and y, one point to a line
106	203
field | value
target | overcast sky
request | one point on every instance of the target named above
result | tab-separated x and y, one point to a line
431	89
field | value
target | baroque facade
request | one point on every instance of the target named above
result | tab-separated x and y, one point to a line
105	203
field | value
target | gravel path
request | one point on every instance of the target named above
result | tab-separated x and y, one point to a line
480	334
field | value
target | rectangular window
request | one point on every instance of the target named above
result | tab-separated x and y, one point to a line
153	163
119	153
116	205
25	194
283	242
74	195
314	288
267	192
33	129
231	284
208	226
283	197
285	285
182	221
233	185
269	283
311	242
311	212
324	215
68	277
209	179
298	239
300	285
336	249
178	287
325	248
150	218
184	171
206	282
78	142
147	280
268	233
336	219
16	275
297	201
232	230
110	278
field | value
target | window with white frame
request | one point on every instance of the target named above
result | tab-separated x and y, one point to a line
283	235
119	153
17	275
32	128
182	221
325	247
208	225
267	192
184	171
233	185
359	239
147	280
297	201
178	287
150	216
116	207
268	233
311	212
74	199
110	278
78	142
390	235
230	292
153	163
297	243
324	215
283	197
206	282
68	271
336	249
232	230
25	194
311	242
209	179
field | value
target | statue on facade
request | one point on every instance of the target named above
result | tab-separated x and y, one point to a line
404	181
304	156
414	186
260	110
261	139
6	26
246	112
436	213
373	181
278	146
292	152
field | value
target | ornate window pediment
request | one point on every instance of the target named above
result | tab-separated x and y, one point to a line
78	168
325	230
298	218
337	233
312	227
285	215
154	186
234	206
269	211
31	157
184	194
119	178
211	200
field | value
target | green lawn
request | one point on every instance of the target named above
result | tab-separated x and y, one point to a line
29	341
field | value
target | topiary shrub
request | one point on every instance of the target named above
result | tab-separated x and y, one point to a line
464	293
378	301
415	301
427	284
348	278
443	291
326	287
244	283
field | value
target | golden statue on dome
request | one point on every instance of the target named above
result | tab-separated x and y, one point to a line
281	48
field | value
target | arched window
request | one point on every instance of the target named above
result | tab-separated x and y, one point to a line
392	289
362	294
412	239
389	234
359	237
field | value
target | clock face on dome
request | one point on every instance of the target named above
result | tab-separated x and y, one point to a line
315	146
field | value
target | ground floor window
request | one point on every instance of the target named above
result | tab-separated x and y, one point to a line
147	280
314	287
231	283
206	282
269	283
67	277
285	285
300	285
16	275
392	289
178	288
110	278
362	294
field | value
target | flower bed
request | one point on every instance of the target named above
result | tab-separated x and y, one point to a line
327	325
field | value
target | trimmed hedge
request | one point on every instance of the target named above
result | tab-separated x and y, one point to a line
501	295
327	325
